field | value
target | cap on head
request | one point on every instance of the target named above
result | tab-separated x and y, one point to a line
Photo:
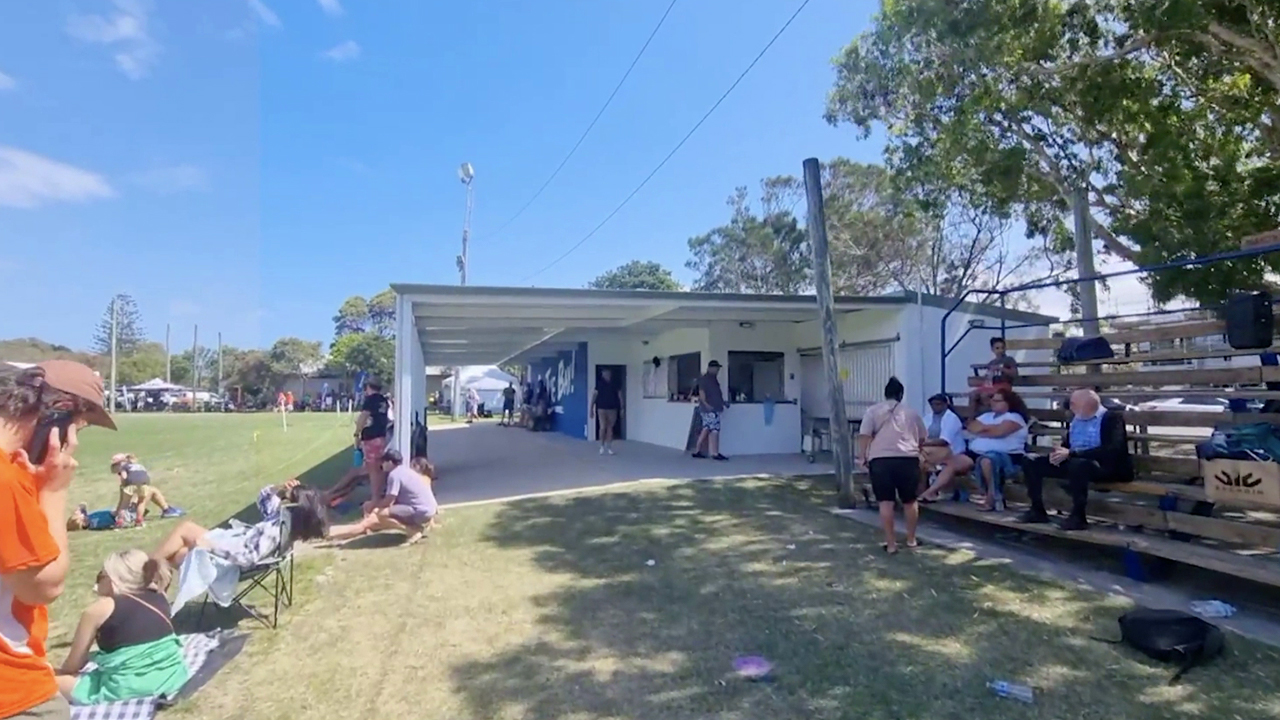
392	456
713	364
80	380
118	458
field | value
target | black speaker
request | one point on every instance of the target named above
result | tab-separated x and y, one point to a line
1250	321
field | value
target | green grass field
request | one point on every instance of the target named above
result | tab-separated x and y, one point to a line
548	608
210	465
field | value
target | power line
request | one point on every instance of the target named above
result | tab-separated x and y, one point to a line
594	120
676	149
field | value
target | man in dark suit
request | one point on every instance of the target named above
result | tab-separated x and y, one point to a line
1095	450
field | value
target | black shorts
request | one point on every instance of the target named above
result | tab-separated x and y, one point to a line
895	478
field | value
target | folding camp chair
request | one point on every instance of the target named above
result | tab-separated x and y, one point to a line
273	574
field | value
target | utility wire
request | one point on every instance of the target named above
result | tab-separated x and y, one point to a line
595	120
676	149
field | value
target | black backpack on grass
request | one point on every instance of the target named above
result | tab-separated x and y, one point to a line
1170	636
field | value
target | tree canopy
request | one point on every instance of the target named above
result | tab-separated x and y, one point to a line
880	239
130	334
358	314
637	275
1165	113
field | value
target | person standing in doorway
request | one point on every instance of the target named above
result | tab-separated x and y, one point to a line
710	404
889	442
606	408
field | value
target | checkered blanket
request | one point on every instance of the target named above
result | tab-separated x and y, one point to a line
195	651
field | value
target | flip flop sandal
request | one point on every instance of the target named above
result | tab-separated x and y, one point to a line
913	545
885	547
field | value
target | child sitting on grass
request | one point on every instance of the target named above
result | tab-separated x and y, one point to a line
82	519
136	491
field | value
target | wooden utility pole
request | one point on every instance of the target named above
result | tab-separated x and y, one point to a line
114	321
168	356
219	388
195	365
840	440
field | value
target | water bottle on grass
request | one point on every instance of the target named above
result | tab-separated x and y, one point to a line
1011	690
1212	609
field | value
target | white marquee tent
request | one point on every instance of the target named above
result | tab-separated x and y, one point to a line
488	382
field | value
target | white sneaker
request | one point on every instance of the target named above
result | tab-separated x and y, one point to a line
609	450
601	449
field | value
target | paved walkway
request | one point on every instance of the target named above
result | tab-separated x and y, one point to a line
488	462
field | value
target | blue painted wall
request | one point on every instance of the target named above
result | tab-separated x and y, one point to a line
566	376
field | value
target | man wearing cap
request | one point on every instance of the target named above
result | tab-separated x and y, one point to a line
710	404
33	511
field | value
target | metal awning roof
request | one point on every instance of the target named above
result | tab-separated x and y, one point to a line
488	325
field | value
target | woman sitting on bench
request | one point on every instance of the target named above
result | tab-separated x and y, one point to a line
999	443
138	653
944	450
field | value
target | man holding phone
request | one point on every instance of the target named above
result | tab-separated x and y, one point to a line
41	409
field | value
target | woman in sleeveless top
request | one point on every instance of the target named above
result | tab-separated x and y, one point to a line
138	653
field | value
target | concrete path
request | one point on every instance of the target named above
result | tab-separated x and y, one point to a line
487	462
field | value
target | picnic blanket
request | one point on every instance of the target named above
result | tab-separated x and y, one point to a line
204	654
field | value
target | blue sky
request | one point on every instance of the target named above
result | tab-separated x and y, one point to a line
248	164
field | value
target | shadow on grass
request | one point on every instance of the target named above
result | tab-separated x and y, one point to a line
759	568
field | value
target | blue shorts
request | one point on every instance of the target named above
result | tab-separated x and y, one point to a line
710	420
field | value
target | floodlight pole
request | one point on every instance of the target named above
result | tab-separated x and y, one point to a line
467	175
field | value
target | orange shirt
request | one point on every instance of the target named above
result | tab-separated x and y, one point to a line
26	678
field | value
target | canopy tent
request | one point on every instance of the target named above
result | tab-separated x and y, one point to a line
487	380
156	385
20	365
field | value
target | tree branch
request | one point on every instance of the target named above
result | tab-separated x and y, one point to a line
1138	44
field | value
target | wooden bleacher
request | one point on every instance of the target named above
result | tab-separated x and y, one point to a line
1240	538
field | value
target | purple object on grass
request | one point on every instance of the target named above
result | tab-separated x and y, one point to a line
752	667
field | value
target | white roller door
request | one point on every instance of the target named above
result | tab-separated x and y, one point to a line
864	369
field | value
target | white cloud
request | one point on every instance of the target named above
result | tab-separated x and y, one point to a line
28	180
264	13
171	179
343	51
332	8
7	82
125	31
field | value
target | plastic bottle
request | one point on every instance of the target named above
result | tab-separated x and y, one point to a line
1010	690
1212	608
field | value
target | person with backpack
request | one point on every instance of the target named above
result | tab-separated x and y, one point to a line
890	439
1094	450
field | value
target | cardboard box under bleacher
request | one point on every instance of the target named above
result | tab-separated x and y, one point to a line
1228	480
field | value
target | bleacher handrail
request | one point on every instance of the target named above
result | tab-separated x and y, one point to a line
1241	254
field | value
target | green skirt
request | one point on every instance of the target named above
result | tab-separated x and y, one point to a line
137	671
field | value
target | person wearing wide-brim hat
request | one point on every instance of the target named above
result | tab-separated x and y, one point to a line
42	408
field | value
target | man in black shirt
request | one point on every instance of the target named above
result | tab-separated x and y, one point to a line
508	405
606	404
710	404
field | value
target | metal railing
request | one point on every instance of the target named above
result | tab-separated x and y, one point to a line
1004	294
